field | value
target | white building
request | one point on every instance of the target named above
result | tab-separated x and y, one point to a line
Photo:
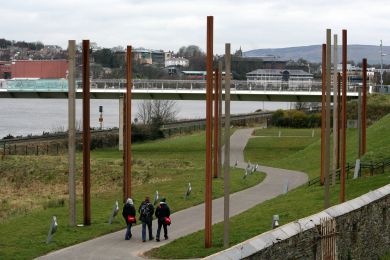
183	62
268	78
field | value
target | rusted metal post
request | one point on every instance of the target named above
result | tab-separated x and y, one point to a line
209	92
335	110
364	106
323	115
86	137
71	131
344	117
327	120
226	176
216	119
127	181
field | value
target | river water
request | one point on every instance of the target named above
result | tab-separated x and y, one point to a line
33	116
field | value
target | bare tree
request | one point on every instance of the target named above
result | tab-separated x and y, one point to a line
163	110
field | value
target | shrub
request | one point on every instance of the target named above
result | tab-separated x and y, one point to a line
295	119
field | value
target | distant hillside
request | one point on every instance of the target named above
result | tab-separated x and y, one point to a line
312	53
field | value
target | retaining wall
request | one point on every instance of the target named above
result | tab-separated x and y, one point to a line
362	225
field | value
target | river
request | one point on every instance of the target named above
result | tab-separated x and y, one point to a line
33	116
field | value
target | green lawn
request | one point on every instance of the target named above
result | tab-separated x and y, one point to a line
164	165
274	131
296	204
263	150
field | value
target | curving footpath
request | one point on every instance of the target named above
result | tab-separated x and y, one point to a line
113	246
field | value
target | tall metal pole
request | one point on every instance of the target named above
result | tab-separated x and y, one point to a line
327	121
344	118
364	108
338	118
226	175
209	93
86	137
335	110
216	119
72	131
323	114
359	123
127	181
124	188
381	66
219	117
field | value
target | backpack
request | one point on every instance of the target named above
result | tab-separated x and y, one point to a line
145	210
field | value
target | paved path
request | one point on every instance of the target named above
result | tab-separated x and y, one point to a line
113	246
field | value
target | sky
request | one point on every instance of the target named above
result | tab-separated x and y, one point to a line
170	24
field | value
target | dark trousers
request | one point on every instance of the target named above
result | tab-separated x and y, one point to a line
128	231
162	224
149	225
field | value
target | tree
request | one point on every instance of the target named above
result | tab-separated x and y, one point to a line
195	56
190	51
157	111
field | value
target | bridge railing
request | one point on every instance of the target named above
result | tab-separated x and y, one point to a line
142	84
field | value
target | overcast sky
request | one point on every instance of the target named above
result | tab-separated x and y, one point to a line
170	24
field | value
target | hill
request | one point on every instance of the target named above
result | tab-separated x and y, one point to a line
312	53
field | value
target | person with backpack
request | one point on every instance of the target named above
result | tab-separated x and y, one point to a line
146	211
162	214
129	213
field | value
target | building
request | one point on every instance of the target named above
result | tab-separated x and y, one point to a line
268	78
38	69
152	57
142	55
198	75
176	62
354	74
158	58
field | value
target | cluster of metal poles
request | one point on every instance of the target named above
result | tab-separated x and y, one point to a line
339	150
213	93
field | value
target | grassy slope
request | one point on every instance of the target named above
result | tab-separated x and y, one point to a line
167	165
294	205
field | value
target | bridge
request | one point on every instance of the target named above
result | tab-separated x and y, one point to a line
165	89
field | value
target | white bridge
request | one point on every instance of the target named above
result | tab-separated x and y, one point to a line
165	89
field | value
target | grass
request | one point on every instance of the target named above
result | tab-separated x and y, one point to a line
39	184
296	204
264	150
386	257
304	132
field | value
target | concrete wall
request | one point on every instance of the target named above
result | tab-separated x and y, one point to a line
363	232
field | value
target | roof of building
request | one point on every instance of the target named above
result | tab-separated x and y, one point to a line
279	72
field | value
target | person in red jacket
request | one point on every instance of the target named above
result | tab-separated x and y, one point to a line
162	212
128	213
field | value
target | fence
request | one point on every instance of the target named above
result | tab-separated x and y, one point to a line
34	149
370	168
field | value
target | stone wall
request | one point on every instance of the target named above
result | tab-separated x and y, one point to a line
362	225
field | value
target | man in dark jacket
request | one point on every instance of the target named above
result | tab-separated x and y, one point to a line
146	211
162	212
128	210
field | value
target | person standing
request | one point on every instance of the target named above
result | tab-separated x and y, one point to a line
129	213
146	211
162	212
